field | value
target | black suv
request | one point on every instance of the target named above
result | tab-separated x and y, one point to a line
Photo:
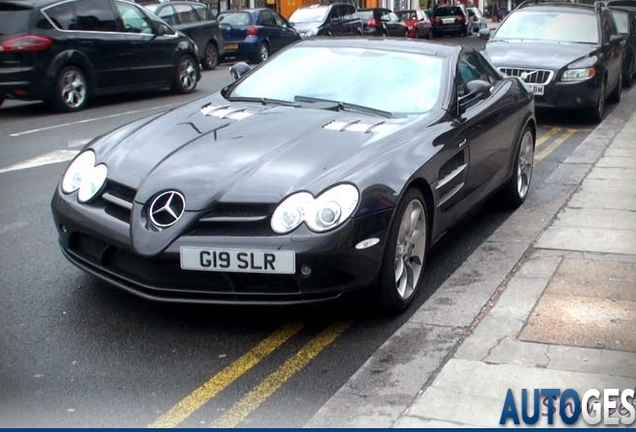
450	20
624	12
63	52
569	54
336	19
196	21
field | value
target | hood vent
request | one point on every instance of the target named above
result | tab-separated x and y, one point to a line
225	112
358	126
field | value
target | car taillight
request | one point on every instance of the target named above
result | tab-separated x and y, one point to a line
437	20
459	19
28	43
251	31
373	23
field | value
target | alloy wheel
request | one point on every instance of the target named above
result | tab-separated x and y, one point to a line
410	249
73	88
188	74
264	52
525	164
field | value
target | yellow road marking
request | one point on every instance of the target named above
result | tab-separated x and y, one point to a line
259	394
546	136
545	152
227	376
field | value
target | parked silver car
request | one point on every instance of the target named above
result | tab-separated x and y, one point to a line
477	18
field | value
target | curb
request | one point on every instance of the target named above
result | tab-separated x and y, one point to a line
408	361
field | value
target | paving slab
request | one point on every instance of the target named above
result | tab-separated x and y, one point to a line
613	194
596	218
589	239
570	173
616	162
613	173
583	321
629	152
413	421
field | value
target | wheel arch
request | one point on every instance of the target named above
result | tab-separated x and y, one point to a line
71	58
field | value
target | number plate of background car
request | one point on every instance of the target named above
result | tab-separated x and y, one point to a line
238	260
537	89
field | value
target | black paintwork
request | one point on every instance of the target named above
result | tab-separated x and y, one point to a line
382	22
114	61
339	19
629	61
606	56
227	167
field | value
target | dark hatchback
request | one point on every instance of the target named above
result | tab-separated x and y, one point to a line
382	22
336	19
569	54
195	20
64	52
451	20
254	34
625	15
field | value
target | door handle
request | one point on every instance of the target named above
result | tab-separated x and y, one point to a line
463	143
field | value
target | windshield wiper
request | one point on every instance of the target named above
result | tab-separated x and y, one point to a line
264	101
342	106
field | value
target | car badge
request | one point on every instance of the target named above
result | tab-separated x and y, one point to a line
167	208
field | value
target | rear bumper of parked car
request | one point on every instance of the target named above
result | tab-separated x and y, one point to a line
449	29
246	48
372	31
583	94
94	242
23	83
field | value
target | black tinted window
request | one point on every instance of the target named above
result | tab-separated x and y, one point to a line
14	19
185	14
84	15
452	10
168	14
266	19
202	12
235	18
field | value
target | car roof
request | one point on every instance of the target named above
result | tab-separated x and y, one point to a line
435	48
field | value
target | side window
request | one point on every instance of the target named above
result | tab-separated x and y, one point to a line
185	14
266	19
350	12
472	66
336	13
167	13
135	21
393	17
202	12
280	21
609	27
85	15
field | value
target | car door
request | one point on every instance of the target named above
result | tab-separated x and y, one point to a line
393	23
612	49
491	125
287	32
269	30
149	57
335	19
92	27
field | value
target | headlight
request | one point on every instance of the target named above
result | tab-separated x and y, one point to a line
83	175
578	74
329	210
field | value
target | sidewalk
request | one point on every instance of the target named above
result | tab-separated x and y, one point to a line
548	301
566	319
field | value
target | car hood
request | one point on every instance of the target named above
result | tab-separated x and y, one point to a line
246	152
532	54
305	27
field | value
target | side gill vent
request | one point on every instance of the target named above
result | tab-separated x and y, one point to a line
225	112
358	126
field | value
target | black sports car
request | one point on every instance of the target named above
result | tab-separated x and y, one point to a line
281	190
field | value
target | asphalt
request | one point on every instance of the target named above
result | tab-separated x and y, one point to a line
76	352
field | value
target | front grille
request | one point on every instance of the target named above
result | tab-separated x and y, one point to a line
531	76
117	200
235	219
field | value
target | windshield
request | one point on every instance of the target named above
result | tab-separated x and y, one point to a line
549	26
307	15
235	18
452	10
407	15
397	82
622	21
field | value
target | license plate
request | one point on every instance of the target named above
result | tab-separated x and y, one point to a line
238	260
231	46
448	20
537	89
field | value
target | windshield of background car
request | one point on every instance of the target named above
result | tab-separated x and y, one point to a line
447	11
152	8
550	26
365	14
622	21
235	18
14	19
398	82
309	15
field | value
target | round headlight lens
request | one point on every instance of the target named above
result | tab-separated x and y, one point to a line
333	207
291	212
92	183
77	171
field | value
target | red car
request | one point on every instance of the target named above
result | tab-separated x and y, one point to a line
419	25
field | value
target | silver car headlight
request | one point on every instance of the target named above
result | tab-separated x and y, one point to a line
84	176
578	74
332	208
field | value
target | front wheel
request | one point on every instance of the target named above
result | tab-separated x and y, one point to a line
71	89
596	113
210	57
516	190
185	75
404	254
263	53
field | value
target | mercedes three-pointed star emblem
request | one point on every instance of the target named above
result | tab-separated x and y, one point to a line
166	209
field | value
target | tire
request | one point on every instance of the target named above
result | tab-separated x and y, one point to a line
615	96
596	113
185	75
263	53
71	89
210	57
395	294
628	79
1	101
516	190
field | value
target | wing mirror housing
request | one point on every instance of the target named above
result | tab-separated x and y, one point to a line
239	69
617	38
475	90
484	33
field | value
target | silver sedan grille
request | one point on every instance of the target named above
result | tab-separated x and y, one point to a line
531	76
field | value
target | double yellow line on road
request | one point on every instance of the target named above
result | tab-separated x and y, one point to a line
562	135
261	392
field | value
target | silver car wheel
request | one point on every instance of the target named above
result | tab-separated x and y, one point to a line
264	52
188	74
526	162
410	249
73	88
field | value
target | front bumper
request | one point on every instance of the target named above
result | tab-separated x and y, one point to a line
574	95
96	242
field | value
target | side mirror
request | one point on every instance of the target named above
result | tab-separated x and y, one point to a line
617	38
484	33
239	69
476	90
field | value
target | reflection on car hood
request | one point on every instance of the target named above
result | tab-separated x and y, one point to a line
246	152
532	54
305	27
